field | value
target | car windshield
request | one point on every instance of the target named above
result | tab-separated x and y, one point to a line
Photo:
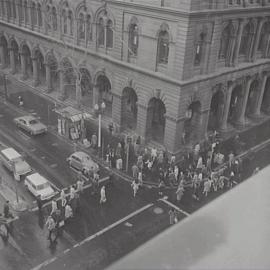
18	160
43	186
33	122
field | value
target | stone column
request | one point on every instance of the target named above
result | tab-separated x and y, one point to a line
61	95
238	41
2	56
241	118
48	78
12	61
142	121
257	111
78	93
23	67
223	126
35	72
95	95
206	56
232	47
116	109
256	41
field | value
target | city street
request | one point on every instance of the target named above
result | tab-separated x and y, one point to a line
98	234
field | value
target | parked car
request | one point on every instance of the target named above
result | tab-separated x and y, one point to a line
82	162
30	124
14	162
39	186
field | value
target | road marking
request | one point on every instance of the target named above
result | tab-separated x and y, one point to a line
175	207
49	261
54	144
43	157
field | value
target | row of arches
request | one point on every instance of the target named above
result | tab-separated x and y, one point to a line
45	70
253	38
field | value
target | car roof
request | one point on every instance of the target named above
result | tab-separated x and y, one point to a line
80	154
37	179
11	153
28	117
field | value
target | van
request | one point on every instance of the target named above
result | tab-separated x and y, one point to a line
14	162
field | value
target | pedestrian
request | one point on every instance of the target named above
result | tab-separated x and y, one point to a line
68	211
176	172
161	188
6	211
199	163
63	198
103	198
80	186
135	171
20	101
135	187
230	159
207	187
50	223
119	164
179	192
140	178
257	169
171	216
94	141
231	180
72	192
54	206
39	203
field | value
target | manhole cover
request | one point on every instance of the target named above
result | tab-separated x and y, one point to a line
158	210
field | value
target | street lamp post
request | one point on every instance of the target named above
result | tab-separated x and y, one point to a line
99	109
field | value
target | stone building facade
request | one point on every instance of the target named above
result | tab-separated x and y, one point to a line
168	70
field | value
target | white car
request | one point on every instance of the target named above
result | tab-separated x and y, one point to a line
39	186
30	124
82	162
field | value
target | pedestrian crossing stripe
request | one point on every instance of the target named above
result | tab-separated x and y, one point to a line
128	224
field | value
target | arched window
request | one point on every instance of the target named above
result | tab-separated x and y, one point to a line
21	12
48	17
199	49
71	22
133	39
109	34
3	7
224	42
163	47
263	37
81	26
34	14
9	14
25	12
64	21
54	19
245	40
88	28
39	14
14	9
101	32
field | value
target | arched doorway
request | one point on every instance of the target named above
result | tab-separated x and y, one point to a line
252	98
28	68
266	97
105	94
17	59
54	83
5	62
129	108
235	104
86	88
41	71
193	121
216	111
156	120
69	80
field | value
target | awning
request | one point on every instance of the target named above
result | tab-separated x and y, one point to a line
71	113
